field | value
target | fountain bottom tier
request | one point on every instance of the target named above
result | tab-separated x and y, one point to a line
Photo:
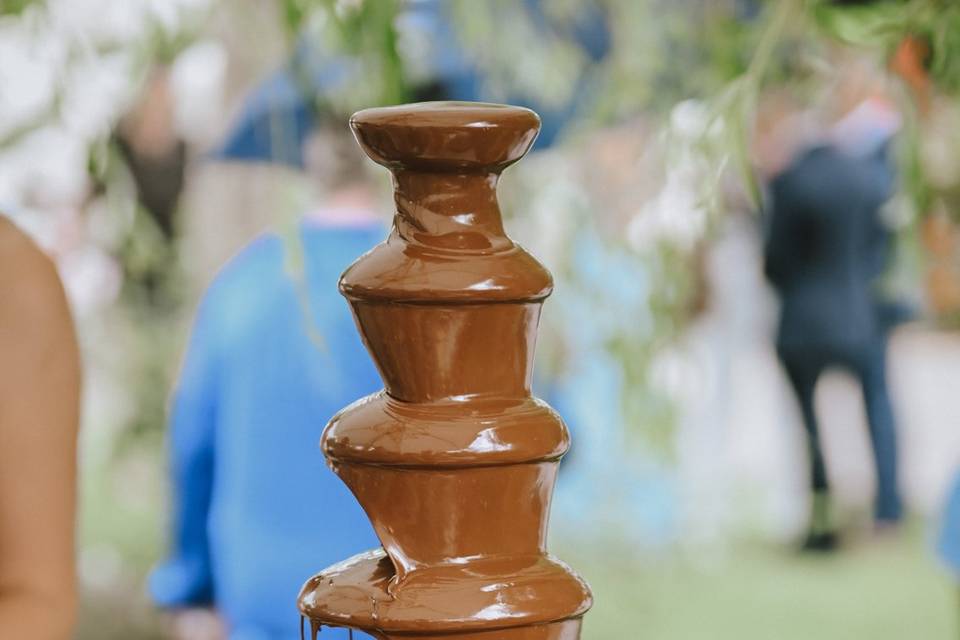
508	598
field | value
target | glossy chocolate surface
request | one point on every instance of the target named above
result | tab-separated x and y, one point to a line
455	461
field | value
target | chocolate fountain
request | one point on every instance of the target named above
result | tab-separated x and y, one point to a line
454	461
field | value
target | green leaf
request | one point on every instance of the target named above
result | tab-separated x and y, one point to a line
16	7
871	25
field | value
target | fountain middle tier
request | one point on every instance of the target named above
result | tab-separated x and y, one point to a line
458	432
446	481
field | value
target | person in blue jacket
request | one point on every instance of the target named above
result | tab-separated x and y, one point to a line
273	355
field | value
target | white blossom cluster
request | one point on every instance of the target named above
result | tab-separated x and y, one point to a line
69	69
678	213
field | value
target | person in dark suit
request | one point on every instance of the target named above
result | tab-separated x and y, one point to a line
825	248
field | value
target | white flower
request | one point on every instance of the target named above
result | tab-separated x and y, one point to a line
675	215
96	93
88	23
197	79
47	169
29	66
689	119
92	279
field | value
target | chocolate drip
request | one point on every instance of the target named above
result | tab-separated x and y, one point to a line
454	461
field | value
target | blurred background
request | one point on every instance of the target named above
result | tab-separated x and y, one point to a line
144	142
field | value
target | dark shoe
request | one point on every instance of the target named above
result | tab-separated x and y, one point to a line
825	542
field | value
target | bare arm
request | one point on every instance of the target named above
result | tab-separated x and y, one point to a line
39	413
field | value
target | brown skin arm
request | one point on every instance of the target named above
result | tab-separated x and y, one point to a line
39	414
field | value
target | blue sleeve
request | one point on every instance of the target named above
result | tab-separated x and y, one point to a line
948	542
185	579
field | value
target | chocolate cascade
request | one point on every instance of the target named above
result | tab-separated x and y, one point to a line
454	462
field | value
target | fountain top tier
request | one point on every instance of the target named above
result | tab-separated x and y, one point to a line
448	243
457	137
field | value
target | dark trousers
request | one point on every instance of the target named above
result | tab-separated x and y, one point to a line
803	365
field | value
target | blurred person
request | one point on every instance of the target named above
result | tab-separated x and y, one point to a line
273	355
39	414
825	249
948	541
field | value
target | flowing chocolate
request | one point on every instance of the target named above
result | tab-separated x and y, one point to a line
454	461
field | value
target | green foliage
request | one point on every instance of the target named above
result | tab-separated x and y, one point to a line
295	14
367	30
651	415
873	25
16	7
151	299
883	25
912	174
363	31
737	104
664	53
517	56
